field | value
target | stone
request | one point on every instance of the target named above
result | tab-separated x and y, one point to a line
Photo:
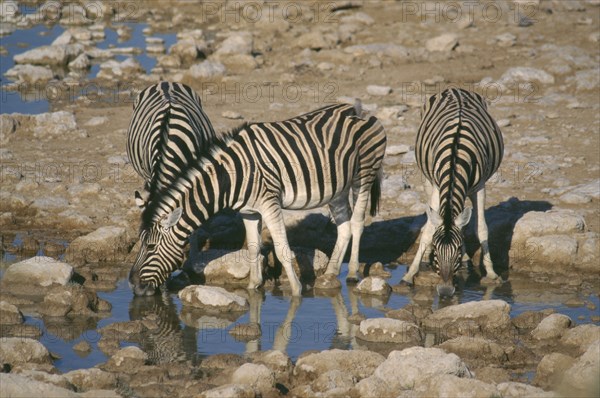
112	69
551	222
212	299
552	327
557	249
126	360
257	376
106	244
475	350
445	42
91	379
44	377
14	385
582	193
229	391
317	40
525	75
29	73
231	115
581	379
57	304
406	369
187	50
28	275
18	350
518	390
206	70
334	380
586	80
223	267
358	364
44	55
54	124
581	337
388	330
10	314
448	385
81	62
374	285
477	318
506	39
236	43
394	150
551	368
96	121
378	91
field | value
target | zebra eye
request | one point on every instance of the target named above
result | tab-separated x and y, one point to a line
151	246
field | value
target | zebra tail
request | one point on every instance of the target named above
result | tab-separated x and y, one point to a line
376	192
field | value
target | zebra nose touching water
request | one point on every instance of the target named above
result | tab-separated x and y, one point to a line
259	169
459	147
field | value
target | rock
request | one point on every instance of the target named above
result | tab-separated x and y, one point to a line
530	319
17	350
224	267
29	73
14	385
479	318
448	385
278	362
112	69
581	337
506	39
44	377
581	379
378	91
388	330
187	50
81	62
126	360
106	244
236	43
475	350
82	347
91	379
9	314
54	124
231	115
44	55
25	276
539	223
358	364
374	285
259	377
551	368
57	304
334	380
558	249
445	42
384	49
582	193
229	391
50	202
402	315
525	75
551	327
406	369
585	80
206	70
317	40
492	374
96	121
394	150
517	390
212	299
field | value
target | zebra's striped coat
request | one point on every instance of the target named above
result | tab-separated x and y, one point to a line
300	163
459	147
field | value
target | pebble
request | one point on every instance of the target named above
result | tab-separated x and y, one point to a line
379	90
231	115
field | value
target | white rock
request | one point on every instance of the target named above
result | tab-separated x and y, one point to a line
582	378
96	121
63	39
37	271
378	90
229	391
586	79
206	70
91	379
236	43
10	314
14	350
44	55
581	337
388	330
29	73
506	39
110	244
256	376
212	298
583	193
374	285
551	249
54	124
128	359
538	223
526	75
447	385
50	202
232	115
224	267
445	42
551	327
394	150
14	385
359	364
114	69
517	390
81	62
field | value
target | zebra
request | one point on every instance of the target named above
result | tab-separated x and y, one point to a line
459	146
259	169
167	132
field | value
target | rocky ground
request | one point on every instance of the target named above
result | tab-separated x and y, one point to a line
66	182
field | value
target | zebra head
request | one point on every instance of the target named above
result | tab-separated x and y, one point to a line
161	252
447	247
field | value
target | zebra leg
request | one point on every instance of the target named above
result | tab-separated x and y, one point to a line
426	236
274	223
252	224
482	234
357	225
340	211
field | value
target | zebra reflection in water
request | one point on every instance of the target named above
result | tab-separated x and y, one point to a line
169	341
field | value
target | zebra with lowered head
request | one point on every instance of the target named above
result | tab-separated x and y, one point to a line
459	146
259	169
167	132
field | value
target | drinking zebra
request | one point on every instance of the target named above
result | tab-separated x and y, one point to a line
259	169
168	131
459	147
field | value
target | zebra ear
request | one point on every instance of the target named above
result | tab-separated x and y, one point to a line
139	201
463	218
434	217
171	219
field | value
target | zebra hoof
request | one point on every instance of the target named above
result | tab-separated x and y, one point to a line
327	281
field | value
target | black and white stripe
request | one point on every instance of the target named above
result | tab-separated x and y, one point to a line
459	146
259	169
168	131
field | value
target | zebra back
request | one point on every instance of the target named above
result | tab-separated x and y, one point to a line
459	146
167	132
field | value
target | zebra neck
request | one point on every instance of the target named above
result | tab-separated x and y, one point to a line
450	207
